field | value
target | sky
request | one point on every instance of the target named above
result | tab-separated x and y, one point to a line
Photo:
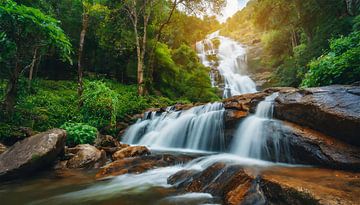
232	6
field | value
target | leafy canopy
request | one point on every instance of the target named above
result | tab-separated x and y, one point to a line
21	25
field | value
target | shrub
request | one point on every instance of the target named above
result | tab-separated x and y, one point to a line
100	104
180	75
79	133
47	105
339	66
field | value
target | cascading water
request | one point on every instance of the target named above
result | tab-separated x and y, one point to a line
254	139
199	128
232	64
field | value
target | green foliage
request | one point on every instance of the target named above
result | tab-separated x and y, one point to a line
79	133
23	24
292	33
48	104
99	104
339	66
276	46
179	74
185	29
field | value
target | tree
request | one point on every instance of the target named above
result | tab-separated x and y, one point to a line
170	8
20	25
89	8
140	11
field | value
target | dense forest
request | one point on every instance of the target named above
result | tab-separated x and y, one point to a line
303	43
168	102
99	62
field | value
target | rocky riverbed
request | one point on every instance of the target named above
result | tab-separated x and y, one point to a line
320	126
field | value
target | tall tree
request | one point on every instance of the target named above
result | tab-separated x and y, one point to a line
20	25
139	13
90	7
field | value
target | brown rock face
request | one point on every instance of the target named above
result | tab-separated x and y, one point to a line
141	164
235	184
332	110
308	146
85	156
32	154
131	151
310	186
106	141
229	182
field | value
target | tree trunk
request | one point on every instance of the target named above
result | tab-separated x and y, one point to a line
85	23
11	90
32	65
139	54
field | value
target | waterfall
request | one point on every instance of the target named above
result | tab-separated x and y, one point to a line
232	64
199	128
255	139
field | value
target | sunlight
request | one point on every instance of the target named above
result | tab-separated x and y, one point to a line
232	6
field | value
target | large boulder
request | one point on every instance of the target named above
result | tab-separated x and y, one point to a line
236	184
131	151
309	186
332	110
230	183
32	154
307	146
85	156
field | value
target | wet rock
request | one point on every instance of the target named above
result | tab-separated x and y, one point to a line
235	184
181	178
229	182
32	154
308	146
246	102
310	186
180	106
3	148
131	151
106	141
111	150
141	164
85	156
332	110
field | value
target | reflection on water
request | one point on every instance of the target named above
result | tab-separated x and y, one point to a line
80	187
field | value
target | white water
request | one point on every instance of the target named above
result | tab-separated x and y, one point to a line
195	128
253	138
199	128
232	64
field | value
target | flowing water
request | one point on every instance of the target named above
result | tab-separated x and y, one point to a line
254	139
228	58
199	128
150	187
